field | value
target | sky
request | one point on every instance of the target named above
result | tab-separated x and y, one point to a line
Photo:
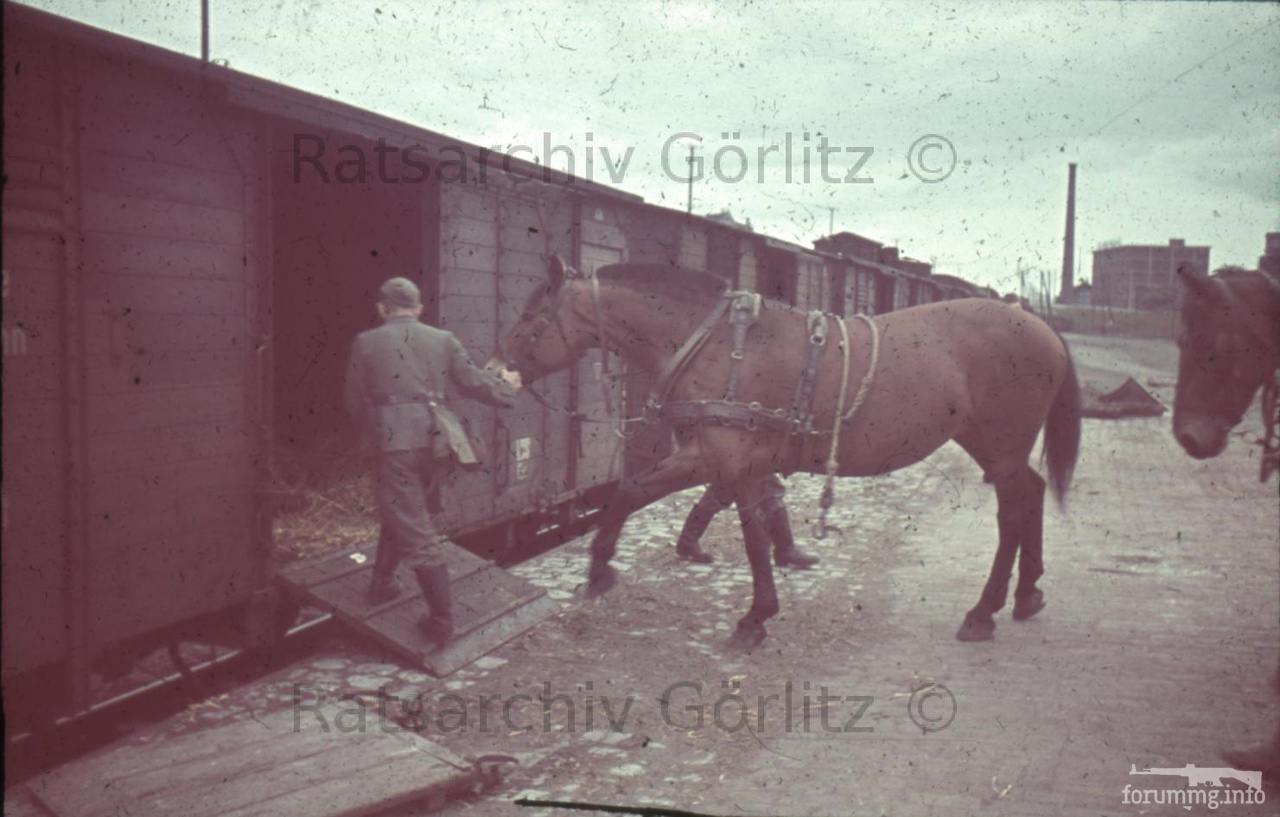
950	125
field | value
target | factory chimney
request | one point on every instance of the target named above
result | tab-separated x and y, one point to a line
1069	240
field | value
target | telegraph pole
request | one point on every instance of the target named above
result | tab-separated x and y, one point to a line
689	205
204	31
831	221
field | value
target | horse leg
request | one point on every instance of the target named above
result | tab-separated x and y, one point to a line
1015	500
675	473
1028	599
764	594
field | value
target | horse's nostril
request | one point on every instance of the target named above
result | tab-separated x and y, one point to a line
1190	444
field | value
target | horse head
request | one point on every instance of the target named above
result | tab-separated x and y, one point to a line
1225	355
549	334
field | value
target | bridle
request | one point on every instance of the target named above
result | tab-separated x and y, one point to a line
551	314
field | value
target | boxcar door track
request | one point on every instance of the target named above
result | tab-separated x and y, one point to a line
490	606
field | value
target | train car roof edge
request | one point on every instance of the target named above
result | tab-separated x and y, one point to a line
276	99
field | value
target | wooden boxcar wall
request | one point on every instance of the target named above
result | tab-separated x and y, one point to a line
147	489
602	241
40	323
495	238
865	283
173	259
813	284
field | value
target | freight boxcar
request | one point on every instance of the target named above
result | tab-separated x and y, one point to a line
133	415
180	290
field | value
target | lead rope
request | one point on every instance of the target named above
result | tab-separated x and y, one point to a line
829	489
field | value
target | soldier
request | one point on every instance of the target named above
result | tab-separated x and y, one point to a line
396	389
772	514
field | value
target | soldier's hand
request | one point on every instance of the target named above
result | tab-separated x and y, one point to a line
511	377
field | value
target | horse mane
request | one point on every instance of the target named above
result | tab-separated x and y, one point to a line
1232	270
1241	281
666	280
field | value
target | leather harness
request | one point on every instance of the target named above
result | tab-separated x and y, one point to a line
744	310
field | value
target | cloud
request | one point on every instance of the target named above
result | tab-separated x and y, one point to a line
1168	108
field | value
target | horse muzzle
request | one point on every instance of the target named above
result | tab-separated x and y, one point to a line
1202	438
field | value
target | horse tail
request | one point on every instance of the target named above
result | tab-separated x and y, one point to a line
1062	432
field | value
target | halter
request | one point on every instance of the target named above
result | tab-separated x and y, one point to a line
551	313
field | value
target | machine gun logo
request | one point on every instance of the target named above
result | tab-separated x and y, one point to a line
1206	776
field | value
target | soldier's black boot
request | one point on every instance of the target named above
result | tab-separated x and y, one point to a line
383	584
695	525
383	588
785	553
436	626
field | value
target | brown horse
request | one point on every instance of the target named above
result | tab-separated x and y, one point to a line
982	373
1229	347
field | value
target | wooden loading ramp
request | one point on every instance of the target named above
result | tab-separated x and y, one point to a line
271	765
490	606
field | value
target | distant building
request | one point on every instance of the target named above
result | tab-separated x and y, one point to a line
1143	276
850	245
1270	260
726	217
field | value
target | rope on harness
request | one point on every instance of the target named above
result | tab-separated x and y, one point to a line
829	488
865	386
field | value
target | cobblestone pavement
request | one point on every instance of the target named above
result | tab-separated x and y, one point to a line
1156	649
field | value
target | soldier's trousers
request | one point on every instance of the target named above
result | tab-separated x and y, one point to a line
402	481
711	503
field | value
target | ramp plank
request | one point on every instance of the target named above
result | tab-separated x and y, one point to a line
490	606
275	764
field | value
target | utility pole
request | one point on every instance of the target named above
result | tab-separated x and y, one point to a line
831	221
204	31
1022	281
689	206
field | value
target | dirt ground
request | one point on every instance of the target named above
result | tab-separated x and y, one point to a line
1155	650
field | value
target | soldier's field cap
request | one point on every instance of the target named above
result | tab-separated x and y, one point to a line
399	293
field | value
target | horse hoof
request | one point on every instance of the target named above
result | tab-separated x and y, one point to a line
746	637
976	630
1025	608
795	558
696	555
601	583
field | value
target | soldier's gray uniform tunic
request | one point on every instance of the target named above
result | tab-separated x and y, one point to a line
397	385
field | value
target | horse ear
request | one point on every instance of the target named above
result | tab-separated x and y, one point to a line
555	272
1197	282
